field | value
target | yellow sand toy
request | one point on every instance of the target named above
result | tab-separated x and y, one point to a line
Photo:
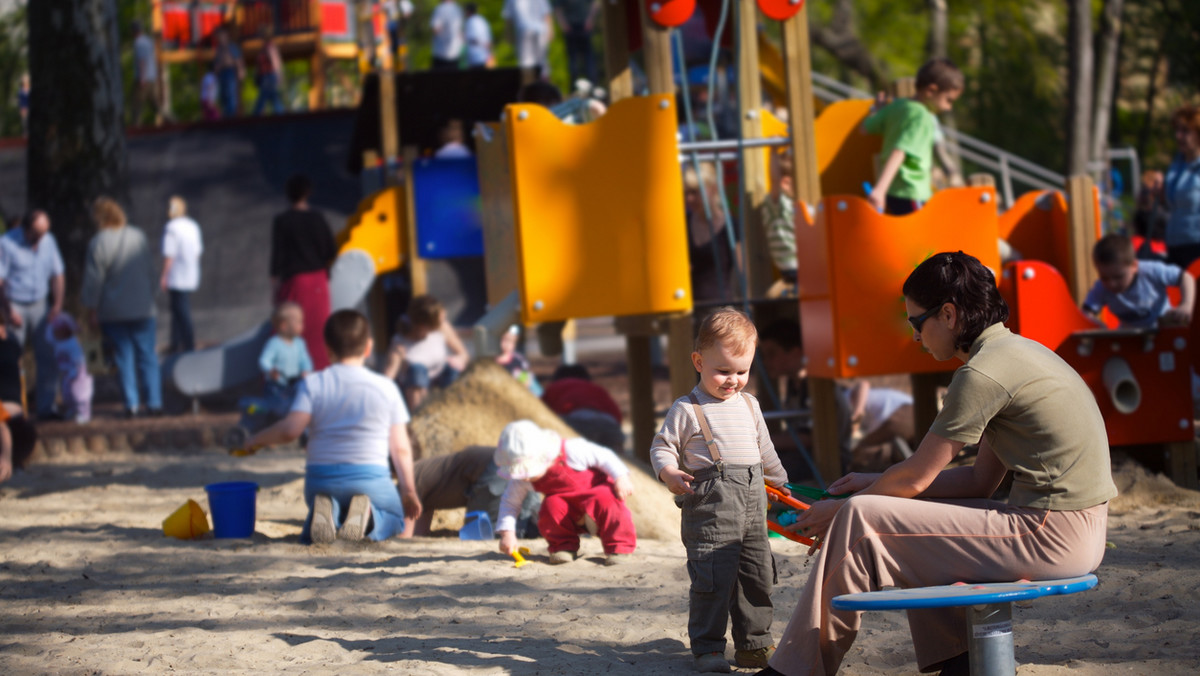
519	556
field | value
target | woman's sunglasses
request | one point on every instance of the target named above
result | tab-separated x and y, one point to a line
919	321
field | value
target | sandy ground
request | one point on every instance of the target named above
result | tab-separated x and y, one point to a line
88	584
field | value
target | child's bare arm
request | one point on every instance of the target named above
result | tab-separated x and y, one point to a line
878	196
395	359
458	352
402	462
1181	315
283	432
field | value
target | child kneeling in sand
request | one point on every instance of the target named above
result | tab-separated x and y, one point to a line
584	484
713	452
355	420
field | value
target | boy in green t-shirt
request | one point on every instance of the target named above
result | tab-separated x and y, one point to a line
909	128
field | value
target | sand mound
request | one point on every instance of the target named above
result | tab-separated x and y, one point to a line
474	410
1138	488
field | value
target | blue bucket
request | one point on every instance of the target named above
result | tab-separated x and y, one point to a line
477	526
232	505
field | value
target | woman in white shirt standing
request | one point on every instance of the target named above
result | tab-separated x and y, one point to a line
182	246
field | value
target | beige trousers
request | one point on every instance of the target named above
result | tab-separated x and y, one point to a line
876	541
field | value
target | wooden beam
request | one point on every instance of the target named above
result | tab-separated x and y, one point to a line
316	90
758	265
388	119
1182	459
904	88
417	268
616	51
797	61
1081	211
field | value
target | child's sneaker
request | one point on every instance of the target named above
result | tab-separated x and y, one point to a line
562	556
358	515
321	531
753	658
712	663
615	559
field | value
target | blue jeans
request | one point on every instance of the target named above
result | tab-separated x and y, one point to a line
417	375
133	345
33	329
342	482
183	337
268	92
227	91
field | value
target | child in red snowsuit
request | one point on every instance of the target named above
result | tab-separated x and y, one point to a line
584	485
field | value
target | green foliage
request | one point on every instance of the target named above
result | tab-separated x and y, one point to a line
13	64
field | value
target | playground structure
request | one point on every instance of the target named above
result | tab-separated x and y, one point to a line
556	247
316	31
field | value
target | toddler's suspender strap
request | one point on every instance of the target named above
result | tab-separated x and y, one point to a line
705	430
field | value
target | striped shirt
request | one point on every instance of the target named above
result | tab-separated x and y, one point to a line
741	435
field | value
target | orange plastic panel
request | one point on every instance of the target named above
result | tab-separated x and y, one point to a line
599	212
771	126
852	263
377	227
1161	366
845	155
1040	306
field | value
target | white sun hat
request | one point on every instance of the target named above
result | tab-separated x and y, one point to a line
526	451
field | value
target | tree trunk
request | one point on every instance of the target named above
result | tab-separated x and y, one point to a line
935	47
1080	87
76	139
1106	79
840	38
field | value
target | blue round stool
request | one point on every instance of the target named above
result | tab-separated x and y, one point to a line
989	612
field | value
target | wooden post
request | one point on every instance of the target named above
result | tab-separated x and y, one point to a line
388	119
925	399
807	181
981	180
616	51
417	272
1182	458
316	89
679	353
904	88
1081	206
758	264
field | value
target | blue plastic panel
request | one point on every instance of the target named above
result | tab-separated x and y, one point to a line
447	208
950	596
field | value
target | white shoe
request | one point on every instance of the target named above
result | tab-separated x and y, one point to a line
358	516
321	530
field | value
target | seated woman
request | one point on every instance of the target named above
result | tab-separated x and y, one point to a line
918	524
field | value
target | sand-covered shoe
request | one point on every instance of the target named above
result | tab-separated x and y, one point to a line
754	658
615	559
712	663
563	556
321	531
358	515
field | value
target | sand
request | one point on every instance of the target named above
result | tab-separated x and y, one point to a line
88	584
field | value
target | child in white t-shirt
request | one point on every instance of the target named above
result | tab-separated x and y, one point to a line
356	423
425	352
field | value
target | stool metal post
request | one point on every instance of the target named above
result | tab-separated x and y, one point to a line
990	639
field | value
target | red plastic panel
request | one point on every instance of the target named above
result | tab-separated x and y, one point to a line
670	13
780	10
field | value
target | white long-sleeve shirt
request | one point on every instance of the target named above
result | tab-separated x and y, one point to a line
581	454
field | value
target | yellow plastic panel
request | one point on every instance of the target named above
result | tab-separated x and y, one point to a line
772	126
377	227
599	212
845	155
859	326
